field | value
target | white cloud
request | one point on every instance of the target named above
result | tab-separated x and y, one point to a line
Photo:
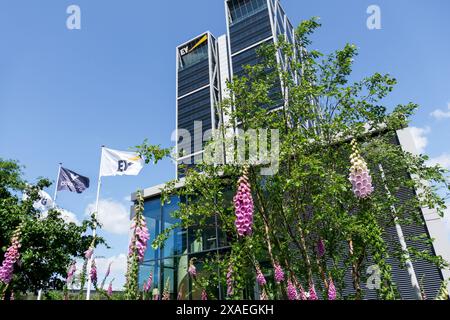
443	160
441	114
69	216
419	137
118	270
113	216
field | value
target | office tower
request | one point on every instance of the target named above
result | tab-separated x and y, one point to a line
204	64
250	24
197	95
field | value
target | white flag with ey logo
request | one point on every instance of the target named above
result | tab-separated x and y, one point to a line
119	163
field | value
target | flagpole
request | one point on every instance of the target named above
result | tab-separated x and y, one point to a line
56	185
94	231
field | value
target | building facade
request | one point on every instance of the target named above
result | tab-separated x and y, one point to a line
197	94
251	24
169	265
204	65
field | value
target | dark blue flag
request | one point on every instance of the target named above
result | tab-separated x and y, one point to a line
72	181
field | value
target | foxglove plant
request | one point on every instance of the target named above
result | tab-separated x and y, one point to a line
136	249
192	270
260	277
110	289
108	271
148	284
204	295
312	293
11	257
71	273
88	253
279	274
83	275
291	291
93	274
140	237
331	290
359	174
243	204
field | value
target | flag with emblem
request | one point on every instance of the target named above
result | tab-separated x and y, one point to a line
72	181
44	203
119	163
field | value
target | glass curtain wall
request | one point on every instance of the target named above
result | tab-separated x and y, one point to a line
169	264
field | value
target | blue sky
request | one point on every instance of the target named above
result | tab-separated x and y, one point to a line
64	93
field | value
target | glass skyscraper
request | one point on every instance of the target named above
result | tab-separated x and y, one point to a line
197	95
250	24
204	64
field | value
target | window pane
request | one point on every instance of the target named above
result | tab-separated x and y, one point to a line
175	277
242	9
176	243
147	268
152	214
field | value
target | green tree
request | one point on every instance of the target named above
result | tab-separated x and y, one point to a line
310	200
48	244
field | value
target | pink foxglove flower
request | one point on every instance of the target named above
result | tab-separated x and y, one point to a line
292	291
71	272
192	270
260	277
204	295
230	280
279	274
11	257
148	285
88	253
140	237
360	174
108	271
320	248
110	289
312	293
243	204
94	273
331	290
